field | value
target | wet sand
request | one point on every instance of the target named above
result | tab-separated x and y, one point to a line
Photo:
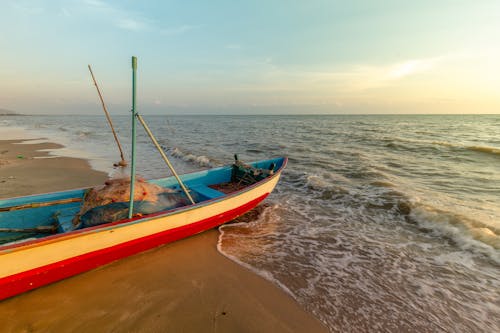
185	286
25	170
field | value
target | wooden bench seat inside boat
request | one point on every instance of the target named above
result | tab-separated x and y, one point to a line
206	191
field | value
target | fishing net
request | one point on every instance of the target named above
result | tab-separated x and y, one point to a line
246	174
110	202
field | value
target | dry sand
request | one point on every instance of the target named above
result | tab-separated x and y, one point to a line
185	286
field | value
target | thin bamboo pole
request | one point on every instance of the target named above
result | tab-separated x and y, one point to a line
165	158
132	166
40	230
122	162
39	204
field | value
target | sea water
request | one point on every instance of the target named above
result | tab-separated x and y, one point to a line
379	223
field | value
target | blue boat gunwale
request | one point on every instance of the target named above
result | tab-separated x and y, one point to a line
9	247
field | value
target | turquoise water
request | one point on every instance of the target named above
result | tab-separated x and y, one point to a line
379	223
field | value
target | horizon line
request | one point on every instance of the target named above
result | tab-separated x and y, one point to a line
255	114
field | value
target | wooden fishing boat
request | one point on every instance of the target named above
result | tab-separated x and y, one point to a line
55	250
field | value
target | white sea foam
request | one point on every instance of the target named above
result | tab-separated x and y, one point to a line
475	148
316	182
265	274
263	229
203	161
470	235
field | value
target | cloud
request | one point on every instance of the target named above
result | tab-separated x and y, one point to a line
410	67
341	86
364	76
271	76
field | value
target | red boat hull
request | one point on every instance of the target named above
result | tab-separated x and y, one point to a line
40	276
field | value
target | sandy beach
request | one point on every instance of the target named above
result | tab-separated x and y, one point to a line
186	286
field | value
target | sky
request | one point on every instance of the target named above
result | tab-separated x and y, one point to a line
251	57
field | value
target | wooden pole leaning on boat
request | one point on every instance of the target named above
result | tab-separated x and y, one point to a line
165	158
122	163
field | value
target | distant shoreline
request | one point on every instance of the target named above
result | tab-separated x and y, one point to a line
7	112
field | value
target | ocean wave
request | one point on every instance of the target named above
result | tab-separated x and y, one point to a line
383	183
334	190
466	233
327	186
481	149
253	150
485	149
446	144
316	182
201	160
401	143
84	134
404	145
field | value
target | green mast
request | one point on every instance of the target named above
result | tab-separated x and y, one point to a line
134	114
